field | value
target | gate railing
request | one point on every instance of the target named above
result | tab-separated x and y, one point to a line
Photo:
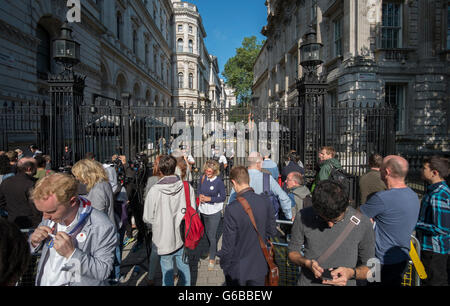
107	126
24	122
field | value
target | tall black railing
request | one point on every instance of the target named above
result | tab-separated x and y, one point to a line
107	126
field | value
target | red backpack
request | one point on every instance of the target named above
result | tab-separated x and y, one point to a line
193	226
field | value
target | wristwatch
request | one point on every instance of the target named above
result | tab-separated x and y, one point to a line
354	273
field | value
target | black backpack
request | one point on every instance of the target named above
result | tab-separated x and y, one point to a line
340	176
272	197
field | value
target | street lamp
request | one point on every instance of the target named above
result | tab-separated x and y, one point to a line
310	52
311	98
67	93
66	50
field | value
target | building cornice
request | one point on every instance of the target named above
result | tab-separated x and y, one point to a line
189	13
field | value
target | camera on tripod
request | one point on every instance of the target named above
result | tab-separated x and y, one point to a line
120	170
141	163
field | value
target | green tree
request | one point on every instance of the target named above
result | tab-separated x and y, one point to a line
238	70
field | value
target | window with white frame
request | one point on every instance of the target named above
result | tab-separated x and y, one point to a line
391	25
191	46
180	45
180	28
191	81
190	30
337	37
395	98
180	80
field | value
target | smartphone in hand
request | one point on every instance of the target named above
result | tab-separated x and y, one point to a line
326	275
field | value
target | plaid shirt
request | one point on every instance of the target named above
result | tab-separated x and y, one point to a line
434	219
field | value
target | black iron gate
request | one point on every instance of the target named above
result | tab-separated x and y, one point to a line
107	126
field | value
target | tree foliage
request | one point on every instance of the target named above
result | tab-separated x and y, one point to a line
238	70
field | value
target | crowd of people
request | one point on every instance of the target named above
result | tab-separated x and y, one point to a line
81	221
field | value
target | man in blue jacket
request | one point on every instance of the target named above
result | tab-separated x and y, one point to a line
241	256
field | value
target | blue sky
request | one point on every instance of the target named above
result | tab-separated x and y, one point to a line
227	22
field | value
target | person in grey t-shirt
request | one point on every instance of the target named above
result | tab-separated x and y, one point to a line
317	227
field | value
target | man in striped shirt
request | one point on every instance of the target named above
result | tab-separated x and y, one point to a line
433	227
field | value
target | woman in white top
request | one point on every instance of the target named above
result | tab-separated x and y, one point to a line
212	194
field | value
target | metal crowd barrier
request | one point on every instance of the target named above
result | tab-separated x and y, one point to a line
411	277
289	272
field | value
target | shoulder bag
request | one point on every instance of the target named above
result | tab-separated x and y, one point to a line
273	275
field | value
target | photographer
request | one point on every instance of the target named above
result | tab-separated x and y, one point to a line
135	177
120	211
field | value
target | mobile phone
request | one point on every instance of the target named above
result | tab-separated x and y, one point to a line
327	274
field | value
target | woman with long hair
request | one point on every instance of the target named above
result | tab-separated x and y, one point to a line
93	176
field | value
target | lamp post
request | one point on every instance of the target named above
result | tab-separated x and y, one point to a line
310	55
66	93
311	98
66	50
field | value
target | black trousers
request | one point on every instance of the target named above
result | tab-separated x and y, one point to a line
436	265
249	283
391	275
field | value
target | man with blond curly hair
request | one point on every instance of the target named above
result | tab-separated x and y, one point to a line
77	240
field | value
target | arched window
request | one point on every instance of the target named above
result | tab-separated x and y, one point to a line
191	81
180	45
191	46
180	80
43	64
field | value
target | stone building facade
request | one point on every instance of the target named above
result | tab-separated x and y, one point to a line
395	52
127	47
192	61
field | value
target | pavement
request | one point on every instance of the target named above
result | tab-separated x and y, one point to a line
134	266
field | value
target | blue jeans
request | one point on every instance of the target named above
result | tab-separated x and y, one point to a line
211	223
167	269
118	252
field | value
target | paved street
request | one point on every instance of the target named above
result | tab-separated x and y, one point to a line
200	276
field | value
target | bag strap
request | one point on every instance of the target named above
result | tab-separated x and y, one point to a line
266	183
354	221
188	204
186	193
249	212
